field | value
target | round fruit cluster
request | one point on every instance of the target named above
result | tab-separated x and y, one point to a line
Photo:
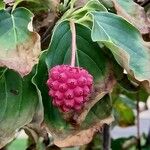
70	87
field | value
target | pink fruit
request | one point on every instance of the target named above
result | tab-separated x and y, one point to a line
70	87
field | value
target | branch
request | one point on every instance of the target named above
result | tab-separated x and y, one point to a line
138	124
106	137
146	2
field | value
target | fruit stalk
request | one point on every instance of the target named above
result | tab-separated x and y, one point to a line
73	49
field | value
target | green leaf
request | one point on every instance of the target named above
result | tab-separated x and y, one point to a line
2	71
127	84
51	113
18	102
59	51
90	57
33	5
130	93
130	143
123	111
101	110
143	95
2	5
18	144
126	143
124	41
92	5
19	47
122	79
81	15
14	28
107	3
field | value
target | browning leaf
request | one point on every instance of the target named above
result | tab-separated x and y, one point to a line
134	13
82	137
21	49
9	1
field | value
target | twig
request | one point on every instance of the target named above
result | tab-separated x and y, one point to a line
32	147
106	137
148	138
146	2
9	9
4	148
47	33
138	124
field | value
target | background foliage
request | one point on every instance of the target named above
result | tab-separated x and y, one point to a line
113	44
